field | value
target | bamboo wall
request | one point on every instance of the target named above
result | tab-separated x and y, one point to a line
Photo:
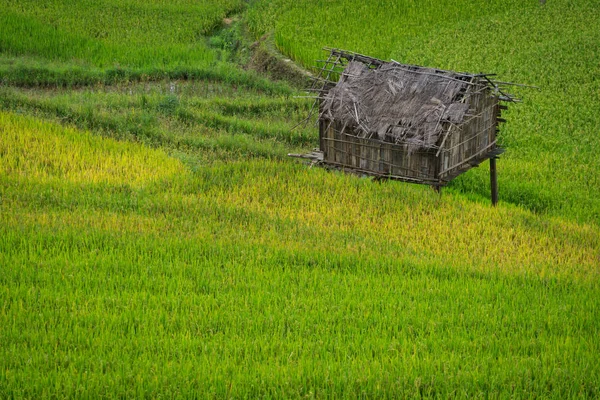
376	157
471	143
466	145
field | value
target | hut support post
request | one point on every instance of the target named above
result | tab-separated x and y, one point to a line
494	180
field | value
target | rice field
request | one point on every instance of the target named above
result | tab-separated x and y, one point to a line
109	33
127	274
550	138
156	241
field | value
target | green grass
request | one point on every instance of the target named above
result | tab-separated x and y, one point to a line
155	240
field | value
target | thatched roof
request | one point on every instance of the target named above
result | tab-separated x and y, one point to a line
399	103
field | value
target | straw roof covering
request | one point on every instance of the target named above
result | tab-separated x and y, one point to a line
397	103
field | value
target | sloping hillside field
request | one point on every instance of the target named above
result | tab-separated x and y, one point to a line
156	241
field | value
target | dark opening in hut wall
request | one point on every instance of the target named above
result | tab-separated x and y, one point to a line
402	121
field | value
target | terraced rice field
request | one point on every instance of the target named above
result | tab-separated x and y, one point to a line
155	240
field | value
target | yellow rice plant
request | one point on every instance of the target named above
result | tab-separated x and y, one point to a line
400	220
42	152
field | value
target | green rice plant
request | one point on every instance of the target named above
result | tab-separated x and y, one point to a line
126	274
113	33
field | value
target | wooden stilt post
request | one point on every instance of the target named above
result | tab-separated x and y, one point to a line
494	181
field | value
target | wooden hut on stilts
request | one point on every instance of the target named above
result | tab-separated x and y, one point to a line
406	122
